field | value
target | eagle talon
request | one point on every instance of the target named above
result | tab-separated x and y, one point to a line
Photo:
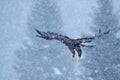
73	58
78	58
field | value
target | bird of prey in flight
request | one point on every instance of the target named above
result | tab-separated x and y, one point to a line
72	44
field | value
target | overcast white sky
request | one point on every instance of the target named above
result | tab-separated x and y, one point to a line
13	15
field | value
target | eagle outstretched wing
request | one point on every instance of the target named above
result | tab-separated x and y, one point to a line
90	39
72	44
51	35
85	39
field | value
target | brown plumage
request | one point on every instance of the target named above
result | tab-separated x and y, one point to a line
72	44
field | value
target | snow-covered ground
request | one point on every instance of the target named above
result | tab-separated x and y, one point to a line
76	15
13	17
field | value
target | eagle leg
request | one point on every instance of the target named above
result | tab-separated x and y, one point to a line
73	53
79	52
73	56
